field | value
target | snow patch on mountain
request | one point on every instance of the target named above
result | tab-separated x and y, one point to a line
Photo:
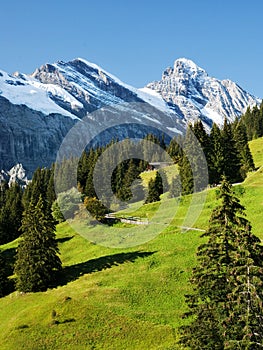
77	88
16	174
193	94
153	98
21	90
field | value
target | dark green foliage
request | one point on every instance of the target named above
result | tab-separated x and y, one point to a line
57	213
50	188
193	167
185	169
3	191
95	208
37	255
85	172
155	189
226	152
225	307
202	137
65	174
175	188
165	184
240	136
10	212
153	194
42	184
217	161
4	282
186	176
126	181
253	121
232	158
174	149
124	176
151	152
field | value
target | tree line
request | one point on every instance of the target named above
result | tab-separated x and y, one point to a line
226	151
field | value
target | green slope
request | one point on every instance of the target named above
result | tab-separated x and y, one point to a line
118	298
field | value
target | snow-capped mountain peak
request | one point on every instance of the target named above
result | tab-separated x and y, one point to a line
185	92
184	66
38	110
193	94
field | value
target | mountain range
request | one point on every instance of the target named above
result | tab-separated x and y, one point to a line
38	110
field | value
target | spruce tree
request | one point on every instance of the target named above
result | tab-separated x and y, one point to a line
4	282
153	194
226	304
246	159
10	213
186	175
202	137
174	150
37	258
232	162
192	165
217	161
175	187
155	189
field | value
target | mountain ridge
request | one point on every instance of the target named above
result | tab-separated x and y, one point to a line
38	110
187	87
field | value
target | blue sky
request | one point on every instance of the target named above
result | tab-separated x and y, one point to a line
136	40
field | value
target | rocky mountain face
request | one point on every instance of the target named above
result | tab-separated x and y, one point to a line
28	136
193	94
37	111
15	174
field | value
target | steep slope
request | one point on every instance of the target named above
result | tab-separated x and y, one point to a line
117	299
28	136
37	111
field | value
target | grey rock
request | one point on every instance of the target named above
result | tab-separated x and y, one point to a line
84	95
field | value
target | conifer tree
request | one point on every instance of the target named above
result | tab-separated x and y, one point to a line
192	165
4	282
155	189
175	187
10	213
217	161
253	121
186	175
15	208
174	150
50	192
226	303
246	159
153	194
37	258
232	162
3	191
202	136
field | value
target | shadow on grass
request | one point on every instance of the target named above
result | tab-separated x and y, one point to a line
65	239
71	273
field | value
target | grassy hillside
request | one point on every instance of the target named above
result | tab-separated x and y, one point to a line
111	298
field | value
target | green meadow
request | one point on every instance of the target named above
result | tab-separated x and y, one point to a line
112	297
